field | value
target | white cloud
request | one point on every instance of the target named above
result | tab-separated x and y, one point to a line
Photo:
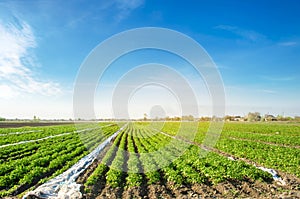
6	92
279	79
267	91
16	62
288	43
246	34
128	4
125	7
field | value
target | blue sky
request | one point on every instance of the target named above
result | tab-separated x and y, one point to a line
255	45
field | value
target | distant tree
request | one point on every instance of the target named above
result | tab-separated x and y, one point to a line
145	116
2	119
36	119
191	118
216	118
229	118
188	118
177	118
205	119
252	117
297	118
282	118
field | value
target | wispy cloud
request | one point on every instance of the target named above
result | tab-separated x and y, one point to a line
267	91
118	10
125	7
279	79
246	34
222	66
16	61
288	43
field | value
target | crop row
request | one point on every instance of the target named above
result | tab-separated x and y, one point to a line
151	157
276	133
282	158
274	138
24	165
276	157
263	128
35	133
209	166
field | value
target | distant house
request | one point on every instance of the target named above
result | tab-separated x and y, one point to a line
253	117
269	118
234	118
238	118
242	119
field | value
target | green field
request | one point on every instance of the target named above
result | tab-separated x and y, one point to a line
153	160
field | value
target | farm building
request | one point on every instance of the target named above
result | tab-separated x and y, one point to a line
270	118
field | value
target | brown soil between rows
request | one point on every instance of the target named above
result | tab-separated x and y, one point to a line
264	142
84	176
292	181
228	189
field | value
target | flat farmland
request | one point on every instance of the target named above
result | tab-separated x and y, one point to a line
153	160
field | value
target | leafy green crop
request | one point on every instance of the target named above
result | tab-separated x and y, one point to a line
29	163
140	148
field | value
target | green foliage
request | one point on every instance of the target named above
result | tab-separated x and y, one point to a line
98	173
141	149
276	157
29	163
189	168
134	179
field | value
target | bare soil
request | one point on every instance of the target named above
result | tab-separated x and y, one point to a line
228	189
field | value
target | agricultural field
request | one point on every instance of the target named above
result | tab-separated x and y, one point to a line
157	160
30	156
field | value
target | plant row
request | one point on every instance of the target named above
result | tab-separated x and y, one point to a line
27	164
151	157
